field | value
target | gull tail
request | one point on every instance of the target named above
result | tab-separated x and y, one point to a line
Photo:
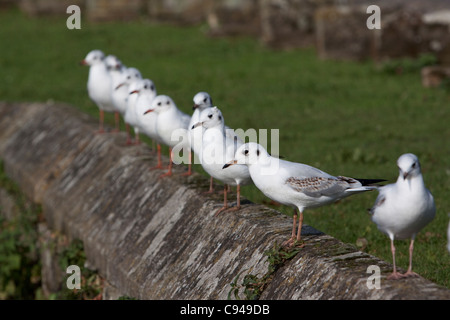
367	185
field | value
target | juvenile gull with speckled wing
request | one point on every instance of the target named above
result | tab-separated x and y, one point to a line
295	184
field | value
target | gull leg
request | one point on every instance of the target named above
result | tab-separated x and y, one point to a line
410	273
100	123
117	121
189	172
169	171
159	164
290	241
238	199
395	275
127	127
137	138
211	186
300	224
225	201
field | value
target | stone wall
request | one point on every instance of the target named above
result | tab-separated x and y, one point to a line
159	239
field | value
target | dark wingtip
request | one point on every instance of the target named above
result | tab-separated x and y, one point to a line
368	182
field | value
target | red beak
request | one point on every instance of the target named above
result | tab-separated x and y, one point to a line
83	62
148	111
134	91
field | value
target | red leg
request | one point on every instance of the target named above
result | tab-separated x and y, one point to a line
300	224
117	120
238	199
189	172
225	200
159	164
211	186
290	241
395	275
101	120
127	128
137	139
169	171
410	273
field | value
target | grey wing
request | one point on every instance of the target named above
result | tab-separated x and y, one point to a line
378	203
318	186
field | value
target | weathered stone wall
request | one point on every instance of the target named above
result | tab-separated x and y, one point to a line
153	238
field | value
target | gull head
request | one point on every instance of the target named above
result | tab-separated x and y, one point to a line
142	86
113	63
93	57
160	104
128	76
202	100
210	118
409	166
134	86
147	85
248	154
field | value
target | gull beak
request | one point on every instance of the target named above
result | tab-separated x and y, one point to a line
195	106
405	175
83	62
232	162
198	124
148	111
119	86
134	91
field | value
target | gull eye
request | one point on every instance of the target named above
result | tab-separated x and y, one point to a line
168	102
246	152
128	77
159	103
257	152
153	88
145	87
204	100
414	165
210	116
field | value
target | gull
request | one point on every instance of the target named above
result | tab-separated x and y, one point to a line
171	125
99	84
295	184
115	68
120	90
217	150
202	101
121	93
147	122
404	208
130	117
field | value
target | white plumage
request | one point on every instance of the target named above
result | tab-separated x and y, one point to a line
171	125
99	83
295	184
404	208
217	150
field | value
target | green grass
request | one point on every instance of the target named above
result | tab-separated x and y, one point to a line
346	118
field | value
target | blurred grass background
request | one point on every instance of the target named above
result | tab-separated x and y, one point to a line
346	118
